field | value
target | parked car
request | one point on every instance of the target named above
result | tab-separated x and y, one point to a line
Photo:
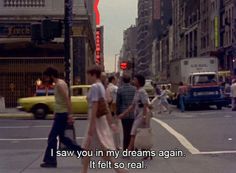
41	106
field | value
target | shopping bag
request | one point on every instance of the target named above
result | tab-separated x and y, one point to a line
69	133
143	139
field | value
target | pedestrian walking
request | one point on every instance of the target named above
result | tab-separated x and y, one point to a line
111	93
163	100
181	94
98	135
140	105
125	95
156	102
104	79
169	94
233	95
62	117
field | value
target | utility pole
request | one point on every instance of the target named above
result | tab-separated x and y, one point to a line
234	36
116	62
67	44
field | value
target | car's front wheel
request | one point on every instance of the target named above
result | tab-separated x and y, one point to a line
40	111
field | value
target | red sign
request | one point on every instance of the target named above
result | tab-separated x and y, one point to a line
123	65
98	47
97	12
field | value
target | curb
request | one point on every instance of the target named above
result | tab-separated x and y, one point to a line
31	117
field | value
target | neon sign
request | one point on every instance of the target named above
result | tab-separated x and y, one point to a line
98	46
96	10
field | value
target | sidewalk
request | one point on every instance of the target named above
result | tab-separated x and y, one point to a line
15	114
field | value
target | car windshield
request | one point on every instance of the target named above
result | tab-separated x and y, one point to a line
203	79
79	91
44	92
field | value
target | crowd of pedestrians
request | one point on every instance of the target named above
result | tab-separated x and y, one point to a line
128	108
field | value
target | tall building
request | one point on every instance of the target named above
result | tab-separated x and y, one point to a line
210	26
144	38
161	49
22	62
178	14
227	35
129	51
191	29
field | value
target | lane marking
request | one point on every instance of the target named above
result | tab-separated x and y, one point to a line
179	137
29	139
186	116
216	152
228	116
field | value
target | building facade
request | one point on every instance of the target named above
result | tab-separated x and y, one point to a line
227	35
178	17
162	31
144	38
25	61
191	29
129	51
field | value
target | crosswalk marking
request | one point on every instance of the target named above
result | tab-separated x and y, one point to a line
178	136
185	142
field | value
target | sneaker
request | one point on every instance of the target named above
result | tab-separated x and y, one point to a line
48	165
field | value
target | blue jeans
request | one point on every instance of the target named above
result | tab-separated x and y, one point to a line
58	129
181	103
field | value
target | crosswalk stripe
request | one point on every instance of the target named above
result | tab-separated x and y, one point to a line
179	137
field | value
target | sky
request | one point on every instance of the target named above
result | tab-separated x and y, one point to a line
116	16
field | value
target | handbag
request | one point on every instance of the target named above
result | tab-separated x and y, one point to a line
102	107
143	139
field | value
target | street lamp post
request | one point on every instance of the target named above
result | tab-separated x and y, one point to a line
67	35
234	36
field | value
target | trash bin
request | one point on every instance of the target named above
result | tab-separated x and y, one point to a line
2	104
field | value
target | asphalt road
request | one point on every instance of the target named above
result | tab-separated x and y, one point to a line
206	137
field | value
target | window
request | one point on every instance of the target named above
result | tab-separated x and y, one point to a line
24	3
202	79
186	45
80	91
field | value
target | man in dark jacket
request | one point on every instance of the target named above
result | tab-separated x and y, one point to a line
125	95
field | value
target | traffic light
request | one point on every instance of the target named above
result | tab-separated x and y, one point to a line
51	29
124	65
47	30
36	32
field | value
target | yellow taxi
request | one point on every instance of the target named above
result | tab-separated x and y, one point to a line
41	106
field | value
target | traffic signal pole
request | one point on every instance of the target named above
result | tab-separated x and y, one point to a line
67	35
234	34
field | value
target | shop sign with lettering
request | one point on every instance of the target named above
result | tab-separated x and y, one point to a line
15	30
